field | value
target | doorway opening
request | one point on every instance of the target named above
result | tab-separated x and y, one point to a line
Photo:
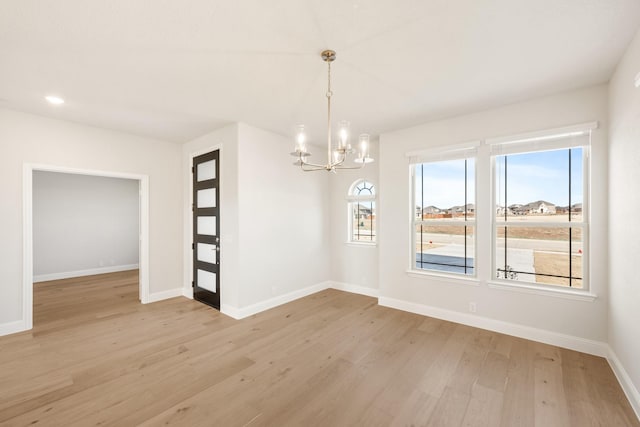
107	264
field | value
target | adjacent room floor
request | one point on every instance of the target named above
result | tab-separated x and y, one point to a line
96	356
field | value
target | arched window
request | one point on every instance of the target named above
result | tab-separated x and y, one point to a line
362	212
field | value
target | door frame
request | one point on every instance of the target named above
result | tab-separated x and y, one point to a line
204	294
187	290
27	232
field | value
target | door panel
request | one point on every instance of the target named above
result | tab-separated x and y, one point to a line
206	226
206	170
207	253
207	198
207	280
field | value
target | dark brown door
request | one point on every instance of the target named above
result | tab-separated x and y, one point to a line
206	228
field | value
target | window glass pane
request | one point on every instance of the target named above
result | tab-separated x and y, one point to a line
207	253
207	280
207	225
445	190
500	196
536	186
364	188
206	170
207	198
577	252
363	224
539	255
446	248
577	179
418	191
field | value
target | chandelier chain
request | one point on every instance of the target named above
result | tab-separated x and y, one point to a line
329	94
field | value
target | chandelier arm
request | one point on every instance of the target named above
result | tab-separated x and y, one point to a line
310	167
304	162
349	167
338	162
315	165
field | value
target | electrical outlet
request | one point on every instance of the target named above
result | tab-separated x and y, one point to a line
472	307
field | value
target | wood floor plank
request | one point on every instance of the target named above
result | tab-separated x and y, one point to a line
450	409
485	407
518	406
437	377
416	411
96	356
494	372
550	399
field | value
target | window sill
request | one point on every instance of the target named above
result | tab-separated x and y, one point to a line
361	244
538	290
466	281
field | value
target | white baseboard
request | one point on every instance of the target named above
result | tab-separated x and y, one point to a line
548	337
241	313
187	292
230	311
80	273
354	289
159	296
625	381
12	327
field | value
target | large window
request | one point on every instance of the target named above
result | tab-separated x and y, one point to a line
444	217
362	212
540	216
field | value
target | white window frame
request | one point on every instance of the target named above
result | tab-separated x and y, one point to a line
461	151
355	198
553	139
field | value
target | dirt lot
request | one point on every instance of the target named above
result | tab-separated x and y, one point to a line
426	246
547	233
548	262
558	264
540	233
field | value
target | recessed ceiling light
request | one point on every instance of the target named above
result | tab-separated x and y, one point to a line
55	100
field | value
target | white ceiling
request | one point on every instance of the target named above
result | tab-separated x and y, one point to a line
177	69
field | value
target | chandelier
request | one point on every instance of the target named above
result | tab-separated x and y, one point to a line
336	155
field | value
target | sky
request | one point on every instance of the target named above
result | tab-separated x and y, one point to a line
443	183
530	177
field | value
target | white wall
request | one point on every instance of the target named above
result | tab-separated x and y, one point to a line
352	263
83	224
583	319
284	219
274	219
624	232
26	138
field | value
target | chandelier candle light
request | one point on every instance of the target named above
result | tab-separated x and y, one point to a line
336	156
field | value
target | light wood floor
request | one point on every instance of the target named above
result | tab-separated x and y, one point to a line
98	357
